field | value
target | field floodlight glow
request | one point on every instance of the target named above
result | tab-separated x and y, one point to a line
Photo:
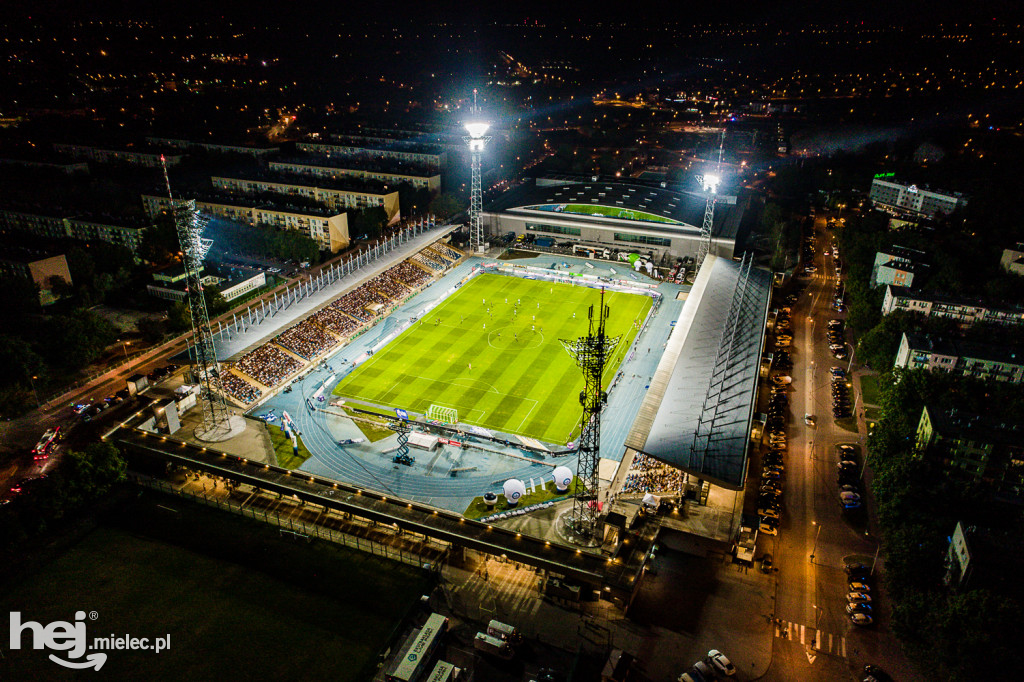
710	183
477	129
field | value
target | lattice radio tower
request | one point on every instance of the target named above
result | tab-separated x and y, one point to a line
190	225
591	352
709	183
477	140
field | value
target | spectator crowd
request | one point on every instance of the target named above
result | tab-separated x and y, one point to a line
648	475
268	364
342	318
239	387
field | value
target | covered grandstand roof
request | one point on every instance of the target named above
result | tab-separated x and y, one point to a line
657	208
668	419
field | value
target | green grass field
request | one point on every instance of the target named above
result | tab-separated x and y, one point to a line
501	371
238	601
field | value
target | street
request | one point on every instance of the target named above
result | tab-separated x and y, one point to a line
814	638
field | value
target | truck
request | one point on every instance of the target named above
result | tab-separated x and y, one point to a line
492	645
545	241
503	631
746	544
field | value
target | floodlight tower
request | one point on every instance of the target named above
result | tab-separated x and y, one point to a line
591	353
217	422
709	184
477	140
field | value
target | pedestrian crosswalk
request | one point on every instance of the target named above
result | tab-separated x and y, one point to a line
505	591
819	640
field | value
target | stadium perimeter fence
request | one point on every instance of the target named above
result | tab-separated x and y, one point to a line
307	531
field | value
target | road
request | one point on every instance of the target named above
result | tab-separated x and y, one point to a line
815	639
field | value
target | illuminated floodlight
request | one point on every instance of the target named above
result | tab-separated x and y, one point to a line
477	129
710	183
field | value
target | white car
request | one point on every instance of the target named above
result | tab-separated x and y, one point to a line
721	663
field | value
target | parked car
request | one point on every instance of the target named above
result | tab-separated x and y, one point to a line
769	527
858	586
858	598
858	608
861	619
721	663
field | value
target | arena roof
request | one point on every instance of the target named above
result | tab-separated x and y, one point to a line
657	208
668	418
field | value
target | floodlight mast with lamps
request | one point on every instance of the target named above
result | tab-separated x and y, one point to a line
709	183
476	140
190	225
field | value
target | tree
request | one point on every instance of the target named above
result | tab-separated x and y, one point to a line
160	242
152	329
446	205
21	295
179	318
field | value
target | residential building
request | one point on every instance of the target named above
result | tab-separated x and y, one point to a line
1013	260
963	358
180	143
169	284
906	199
337	195
898	266
966	311
149	157
327	166
392	150
328	228
984	558
59	224
42	161
975	449
39	267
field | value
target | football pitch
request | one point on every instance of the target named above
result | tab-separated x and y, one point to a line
491	351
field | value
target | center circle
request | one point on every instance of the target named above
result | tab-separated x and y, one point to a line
515	338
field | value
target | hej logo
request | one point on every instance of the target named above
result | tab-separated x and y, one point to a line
58	636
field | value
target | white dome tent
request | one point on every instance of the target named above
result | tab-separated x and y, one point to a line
514	490
563	478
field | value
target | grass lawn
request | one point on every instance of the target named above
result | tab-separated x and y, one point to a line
283	448
869	389
372	432
477	508
237	601
501	370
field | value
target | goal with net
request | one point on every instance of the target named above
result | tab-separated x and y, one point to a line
445	415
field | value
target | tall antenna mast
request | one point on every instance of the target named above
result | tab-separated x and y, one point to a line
591	353
167	179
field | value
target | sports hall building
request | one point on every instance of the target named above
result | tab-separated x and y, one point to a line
614	215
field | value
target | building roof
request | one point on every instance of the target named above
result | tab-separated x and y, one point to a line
668	418
915	295
932	344
985	428
346	162
265	201
970	350
342	184
656	209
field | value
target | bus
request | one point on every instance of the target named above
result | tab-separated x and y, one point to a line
45	445
443	672
418	649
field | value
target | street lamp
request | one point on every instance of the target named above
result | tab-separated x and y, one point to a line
31	380
815	547
124	347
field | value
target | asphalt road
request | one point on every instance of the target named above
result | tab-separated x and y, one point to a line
815	639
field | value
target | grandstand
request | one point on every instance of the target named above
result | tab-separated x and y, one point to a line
287	352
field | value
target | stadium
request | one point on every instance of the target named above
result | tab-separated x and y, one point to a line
419	386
